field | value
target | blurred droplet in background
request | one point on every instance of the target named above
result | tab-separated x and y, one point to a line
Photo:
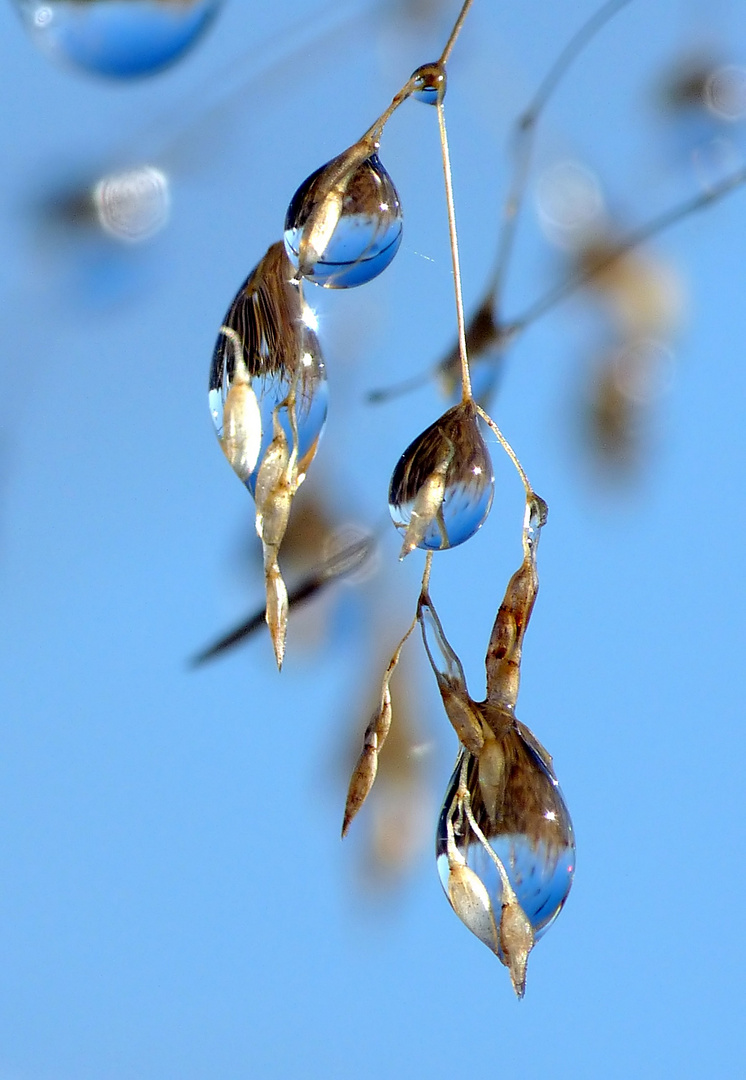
119	39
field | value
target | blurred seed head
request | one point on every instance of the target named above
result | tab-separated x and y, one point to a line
684	87
346	539
642	294
624	383
703	83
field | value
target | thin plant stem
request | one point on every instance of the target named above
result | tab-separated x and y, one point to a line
525	132
455	32
426	576
628	243
466	394
374	132
397	651
508	450
554	296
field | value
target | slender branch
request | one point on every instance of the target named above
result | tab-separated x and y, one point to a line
455	32
627	243
375	131
425	577
525	131
508	450
466	394
343	562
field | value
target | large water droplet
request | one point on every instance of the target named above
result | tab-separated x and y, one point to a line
519	808
442	487
268	346
121	39
344	223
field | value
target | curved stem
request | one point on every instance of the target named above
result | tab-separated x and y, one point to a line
508	450
525	131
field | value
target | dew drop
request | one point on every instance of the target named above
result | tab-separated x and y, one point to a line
442	487
344	223
430	83
529	830
120	39
267	344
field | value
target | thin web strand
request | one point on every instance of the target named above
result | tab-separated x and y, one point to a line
508	450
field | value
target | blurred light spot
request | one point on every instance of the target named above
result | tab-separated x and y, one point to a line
133	205
309	318
714	161
569	201
43	16
642	294
725	92
644	371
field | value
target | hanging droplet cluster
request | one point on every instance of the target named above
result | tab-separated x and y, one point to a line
504	845
268	397
504	848
267	387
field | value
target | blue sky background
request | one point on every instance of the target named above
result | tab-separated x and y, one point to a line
175	901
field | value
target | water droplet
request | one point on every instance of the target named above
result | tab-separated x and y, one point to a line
344	223
518	806
442	487
535	519
430	82
120	39
267	345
